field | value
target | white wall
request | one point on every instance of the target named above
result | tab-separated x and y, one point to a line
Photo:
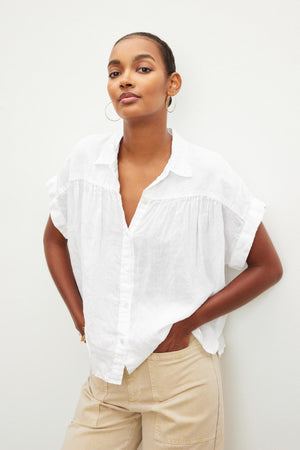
240	96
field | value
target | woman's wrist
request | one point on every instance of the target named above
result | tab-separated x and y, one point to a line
82	334
80	326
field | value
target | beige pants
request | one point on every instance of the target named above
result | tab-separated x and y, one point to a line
173	400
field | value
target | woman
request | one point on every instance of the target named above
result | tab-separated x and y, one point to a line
142	224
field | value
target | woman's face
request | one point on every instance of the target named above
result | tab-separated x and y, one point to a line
143	76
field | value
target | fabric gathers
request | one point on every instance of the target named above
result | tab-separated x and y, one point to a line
135	282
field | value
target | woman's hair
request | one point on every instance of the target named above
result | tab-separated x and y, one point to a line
165	51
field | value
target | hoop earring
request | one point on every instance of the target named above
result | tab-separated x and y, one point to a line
167	102
114	120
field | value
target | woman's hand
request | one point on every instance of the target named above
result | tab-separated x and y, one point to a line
177	339
80	327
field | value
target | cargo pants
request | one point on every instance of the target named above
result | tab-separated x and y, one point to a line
173	400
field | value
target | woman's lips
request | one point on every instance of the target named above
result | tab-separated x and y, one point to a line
129	99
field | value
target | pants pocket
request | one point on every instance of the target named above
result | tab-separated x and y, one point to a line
87	408
187	395
98	387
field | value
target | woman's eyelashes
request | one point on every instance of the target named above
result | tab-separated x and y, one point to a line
110	75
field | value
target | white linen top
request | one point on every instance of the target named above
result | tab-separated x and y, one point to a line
135	282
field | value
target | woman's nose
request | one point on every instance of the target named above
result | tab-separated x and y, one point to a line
125	79
125	83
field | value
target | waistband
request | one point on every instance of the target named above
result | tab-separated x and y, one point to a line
194	346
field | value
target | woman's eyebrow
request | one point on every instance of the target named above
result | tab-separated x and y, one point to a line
142	56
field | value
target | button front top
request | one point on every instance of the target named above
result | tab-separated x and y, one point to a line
194	219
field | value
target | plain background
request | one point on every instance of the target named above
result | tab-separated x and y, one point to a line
239	62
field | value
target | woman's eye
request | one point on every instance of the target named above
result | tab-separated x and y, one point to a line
147	68
110	75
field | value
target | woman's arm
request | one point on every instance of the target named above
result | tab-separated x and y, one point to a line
264	270
59	264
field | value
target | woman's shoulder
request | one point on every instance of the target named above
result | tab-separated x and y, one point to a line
87	148
213	173
206	159
88	143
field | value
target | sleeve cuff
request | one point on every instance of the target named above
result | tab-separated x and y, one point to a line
244	243
56	206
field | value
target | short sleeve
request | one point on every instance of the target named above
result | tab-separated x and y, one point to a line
242	214
57	187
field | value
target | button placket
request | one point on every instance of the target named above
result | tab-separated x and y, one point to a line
127	272
126	289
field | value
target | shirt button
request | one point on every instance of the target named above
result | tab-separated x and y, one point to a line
145	201
126	305
122	341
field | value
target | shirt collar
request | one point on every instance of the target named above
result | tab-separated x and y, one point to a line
178	161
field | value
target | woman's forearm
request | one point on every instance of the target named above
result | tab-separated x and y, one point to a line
59	264
245	287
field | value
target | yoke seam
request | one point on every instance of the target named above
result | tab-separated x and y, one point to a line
209	195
